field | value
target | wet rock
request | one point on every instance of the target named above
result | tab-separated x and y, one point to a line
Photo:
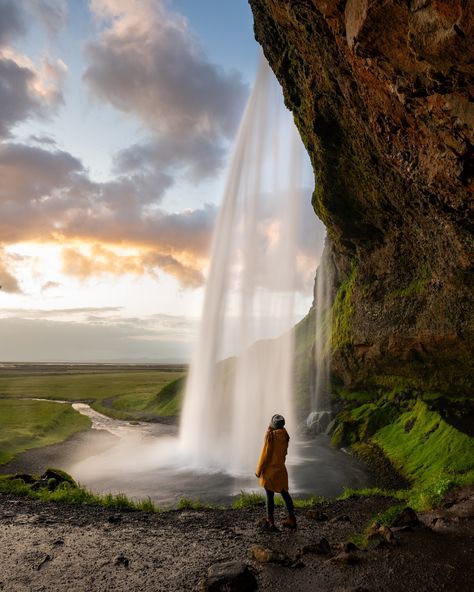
387	534
115	518
317	515
26	477
460	502
352	589
230	576
341	518
265	555
321	548
121	560
58	476
408	517
264	525
45	559
350	547
345	558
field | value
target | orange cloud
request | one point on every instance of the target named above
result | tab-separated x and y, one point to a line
100	260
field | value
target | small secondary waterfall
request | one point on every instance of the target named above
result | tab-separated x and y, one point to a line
241	373
320	414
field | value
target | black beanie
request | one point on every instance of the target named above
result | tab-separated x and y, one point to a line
278	421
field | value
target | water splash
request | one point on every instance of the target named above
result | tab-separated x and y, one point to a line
241	373
320	415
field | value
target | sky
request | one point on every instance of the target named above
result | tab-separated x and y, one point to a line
117	120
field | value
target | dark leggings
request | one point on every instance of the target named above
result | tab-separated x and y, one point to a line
271	502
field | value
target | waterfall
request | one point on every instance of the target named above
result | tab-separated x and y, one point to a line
241	372
320	415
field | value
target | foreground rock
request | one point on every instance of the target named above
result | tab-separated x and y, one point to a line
231	576
56	547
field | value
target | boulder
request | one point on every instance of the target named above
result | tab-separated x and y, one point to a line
346	558
230	576
408	517
321	548
317	515
265	555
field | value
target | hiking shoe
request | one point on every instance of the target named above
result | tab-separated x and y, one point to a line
289	522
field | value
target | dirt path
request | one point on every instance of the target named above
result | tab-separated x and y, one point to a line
51	547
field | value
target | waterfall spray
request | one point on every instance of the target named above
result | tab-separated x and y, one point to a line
241	373
320	414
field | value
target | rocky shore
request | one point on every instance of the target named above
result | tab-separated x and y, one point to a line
51	546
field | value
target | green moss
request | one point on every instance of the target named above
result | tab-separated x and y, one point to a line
430	450
357	397
417	286
408	436
342	313
349	493
361	423
72	494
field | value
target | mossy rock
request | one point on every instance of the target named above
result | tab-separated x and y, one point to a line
59	477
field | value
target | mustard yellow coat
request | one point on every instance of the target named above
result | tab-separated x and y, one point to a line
271	467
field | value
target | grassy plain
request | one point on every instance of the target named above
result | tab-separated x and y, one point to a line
132	394
32	424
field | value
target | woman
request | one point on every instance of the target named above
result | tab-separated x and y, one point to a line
272	471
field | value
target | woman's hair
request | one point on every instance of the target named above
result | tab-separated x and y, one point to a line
277	422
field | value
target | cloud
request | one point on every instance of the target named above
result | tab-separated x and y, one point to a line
27	90
11	20
52	14
42	140
8	281
50	286
147	64
46	340
104	261
31	173
45	313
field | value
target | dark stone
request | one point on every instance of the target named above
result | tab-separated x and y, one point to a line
115	518
342	518
230	576
346	558
317	515
26	477
59	475
121	560
265	555
407	517
321	548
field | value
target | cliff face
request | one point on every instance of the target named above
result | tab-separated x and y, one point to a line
382	93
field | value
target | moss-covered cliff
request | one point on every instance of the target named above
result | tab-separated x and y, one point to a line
382	93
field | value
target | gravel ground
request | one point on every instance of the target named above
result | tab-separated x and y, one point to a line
49	547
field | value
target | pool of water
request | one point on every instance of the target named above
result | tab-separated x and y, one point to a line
144	460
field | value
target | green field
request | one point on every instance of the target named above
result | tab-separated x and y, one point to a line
32	424
128	394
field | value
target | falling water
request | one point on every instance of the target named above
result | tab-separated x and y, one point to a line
242	368
320	414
